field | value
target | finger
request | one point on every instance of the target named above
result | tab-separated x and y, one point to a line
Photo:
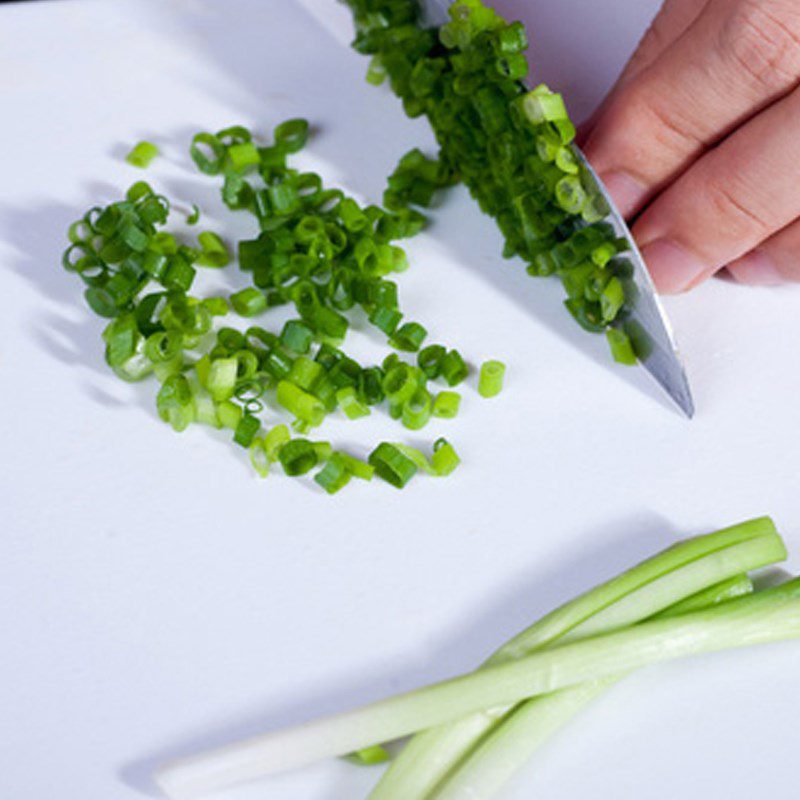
670	23
737	58
777	260
673	19
733	199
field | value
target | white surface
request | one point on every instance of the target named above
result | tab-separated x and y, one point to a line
155	597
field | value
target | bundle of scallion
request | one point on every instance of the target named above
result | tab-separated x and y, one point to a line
478	729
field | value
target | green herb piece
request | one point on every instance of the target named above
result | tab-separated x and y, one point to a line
297	336
301	404
348	400
357	468
194	216
392	465
409	337
490	382
454	370
334	476
249	302
369	756
142	154
446	405
444	459
213	252
417	410
298	457
621	346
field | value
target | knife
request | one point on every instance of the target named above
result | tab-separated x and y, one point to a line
646	321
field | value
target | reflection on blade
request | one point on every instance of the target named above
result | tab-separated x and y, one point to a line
645	322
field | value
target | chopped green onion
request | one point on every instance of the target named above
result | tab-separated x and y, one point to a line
417	410
334	476
392	465
142	154
216	306
297	336
491	378
324	450
444	459
298	457
302	405
446	405
357	468
247	430
194	217
409	337
370	755
306	373
222	375
274	439
243	156
205	409
417	456
348	401
249	302
229	414
213	251
386	319
621	346
208	153
400	383
430	360
259	457
454	370
292	135
175	404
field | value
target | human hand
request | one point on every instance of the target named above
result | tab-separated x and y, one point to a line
701	138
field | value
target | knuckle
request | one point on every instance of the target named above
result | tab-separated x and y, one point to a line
653	41
661	117
741	218
763	40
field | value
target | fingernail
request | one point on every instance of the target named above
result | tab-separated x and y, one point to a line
626	191
672	268
756	269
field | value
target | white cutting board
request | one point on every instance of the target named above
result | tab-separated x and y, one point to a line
155	597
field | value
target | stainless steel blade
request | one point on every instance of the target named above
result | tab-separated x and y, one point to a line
646	320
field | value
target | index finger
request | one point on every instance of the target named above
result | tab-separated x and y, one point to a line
737	58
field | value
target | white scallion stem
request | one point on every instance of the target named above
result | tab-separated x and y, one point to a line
510	745
641	592
747	621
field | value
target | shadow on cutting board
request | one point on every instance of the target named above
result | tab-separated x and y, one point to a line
73	338
492	621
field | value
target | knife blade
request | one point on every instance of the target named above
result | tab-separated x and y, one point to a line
645	321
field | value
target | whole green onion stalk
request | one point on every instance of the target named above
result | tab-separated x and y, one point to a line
553	655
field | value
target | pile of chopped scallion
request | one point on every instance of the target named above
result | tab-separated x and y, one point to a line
511	147
317	251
